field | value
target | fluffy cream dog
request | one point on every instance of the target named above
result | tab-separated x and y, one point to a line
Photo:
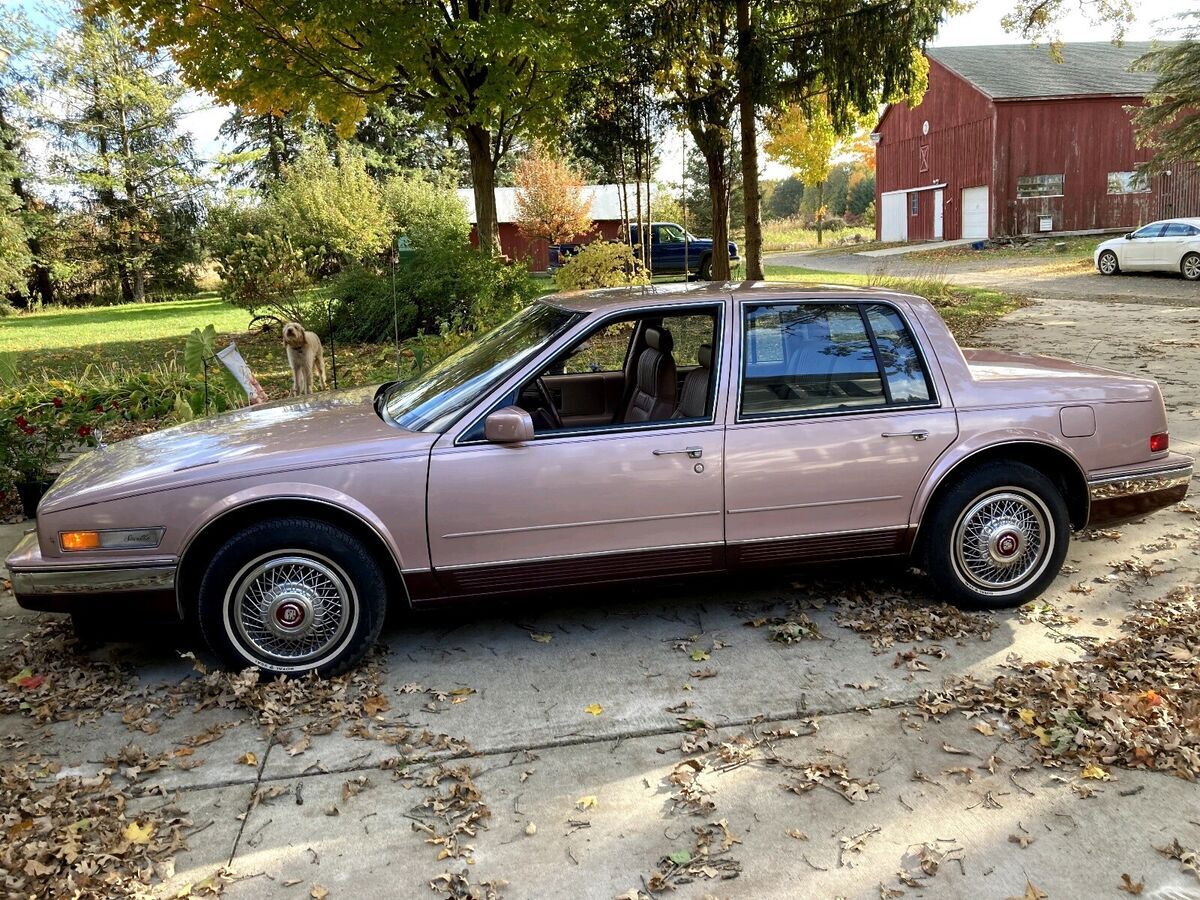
305	356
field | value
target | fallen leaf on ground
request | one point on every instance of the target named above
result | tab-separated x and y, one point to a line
1094	771
318	892
588	802
248	759
699	655
593	709
136	833
1032	892
541	637
1129	886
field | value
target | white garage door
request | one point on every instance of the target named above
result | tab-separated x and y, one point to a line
893	226
975	212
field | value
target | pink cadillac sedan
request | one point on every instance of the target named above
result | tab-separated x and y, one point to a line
602	437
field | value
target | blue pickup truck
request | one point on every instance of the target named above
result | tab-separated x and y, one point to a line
672	251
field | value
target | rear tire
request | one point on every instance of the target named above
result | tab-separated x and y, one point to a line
292	596
1108	264
1189	266
997	538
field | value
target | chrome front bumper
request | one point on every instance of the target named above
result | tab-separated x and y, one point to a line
1128	495
58	586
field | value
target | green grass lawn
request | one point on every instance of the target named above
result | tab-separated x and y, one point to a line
134	335
791	234
1067	249
966	310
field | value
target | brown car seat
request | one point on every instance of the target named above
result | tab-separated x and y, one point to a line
653	396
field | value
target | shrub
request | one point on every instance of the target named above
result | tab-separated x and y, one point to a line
428	213
449	286
64	415
599	265
332	210
364	310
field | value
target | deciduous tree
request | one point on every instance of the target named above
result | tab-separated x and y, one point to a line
490	71
1169	123
550	201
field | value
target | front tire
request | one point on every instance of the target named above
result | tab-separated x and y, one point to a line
1189	266
705	271
292	596
998	537
1108	264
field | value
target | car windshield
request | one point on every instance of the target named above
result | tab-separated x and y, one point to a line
433	400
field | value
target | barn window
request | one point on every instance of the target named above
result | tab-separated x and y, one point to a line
1040	186
1128	183
913	203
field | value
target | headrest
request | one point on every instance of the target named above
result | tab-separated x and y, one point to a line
704	356
659	339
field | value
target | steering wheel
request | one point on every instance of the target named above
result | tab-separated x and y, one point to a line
548	406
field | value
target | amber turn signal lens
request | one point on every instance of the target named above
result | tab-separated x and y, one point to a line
80	540
1159	442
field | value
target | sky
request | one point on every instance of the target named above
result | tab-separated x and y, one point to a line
981	25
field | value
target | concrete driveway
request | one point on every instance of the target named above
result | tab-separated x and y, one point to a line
543	751
1031	276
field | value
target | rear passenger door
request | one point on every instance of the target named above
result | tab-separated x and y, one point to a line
838	418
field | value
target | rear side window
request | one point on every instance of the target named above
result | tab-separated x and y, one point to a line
898	356
802	358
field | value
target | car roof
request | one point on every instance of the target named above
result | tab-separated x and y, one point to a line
673	293
1185	220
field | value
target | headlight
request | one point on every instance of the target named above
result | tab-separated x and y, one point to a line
111	539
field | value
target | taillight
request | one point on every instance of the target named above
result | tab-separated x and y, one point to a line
1159	442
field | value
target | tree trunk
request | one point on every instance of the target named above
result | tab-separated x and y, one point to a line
712	148
748	91
820	210
483	184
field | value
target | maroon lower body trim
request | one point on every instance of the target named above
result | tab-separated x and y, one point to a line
820	548
1115	510
448	585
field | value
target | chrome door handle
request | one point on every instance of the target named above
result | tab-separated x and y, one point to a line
692	452
918	435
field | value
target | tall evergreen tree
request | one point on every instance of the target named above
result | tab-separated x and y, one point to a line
114	110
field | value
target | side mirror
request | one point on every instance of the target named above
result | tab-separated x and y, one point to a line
510	425
1129	235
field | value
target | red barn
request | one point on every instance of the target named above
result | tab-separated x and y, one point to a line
608	213
1009	141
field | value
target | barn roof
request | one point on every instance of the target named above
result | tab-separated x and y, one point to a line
1018	71
606	202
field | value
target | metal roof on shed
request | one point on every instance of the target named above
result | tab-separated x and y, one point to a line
1018	71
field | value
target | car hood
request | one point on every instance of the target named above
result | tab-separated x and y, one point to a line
324	429
1028	378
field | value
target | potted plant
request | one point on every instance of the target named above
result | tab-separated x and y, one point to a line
34	444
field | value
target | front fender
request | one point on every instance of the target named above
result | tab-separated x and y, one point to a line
296	490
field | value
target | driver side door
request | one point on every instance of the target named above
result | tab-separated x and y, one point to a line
580	505
1140	250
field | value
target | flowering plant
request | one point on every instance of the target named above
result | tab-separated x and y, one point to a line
34	443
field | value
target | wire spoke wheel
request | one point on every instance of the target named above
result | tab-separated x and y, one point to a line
1002	541
291	608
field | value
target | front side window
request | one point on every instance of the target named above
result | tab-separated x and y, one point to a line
802	358
1040	186
668	234
1128	183
435	399
1152	230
